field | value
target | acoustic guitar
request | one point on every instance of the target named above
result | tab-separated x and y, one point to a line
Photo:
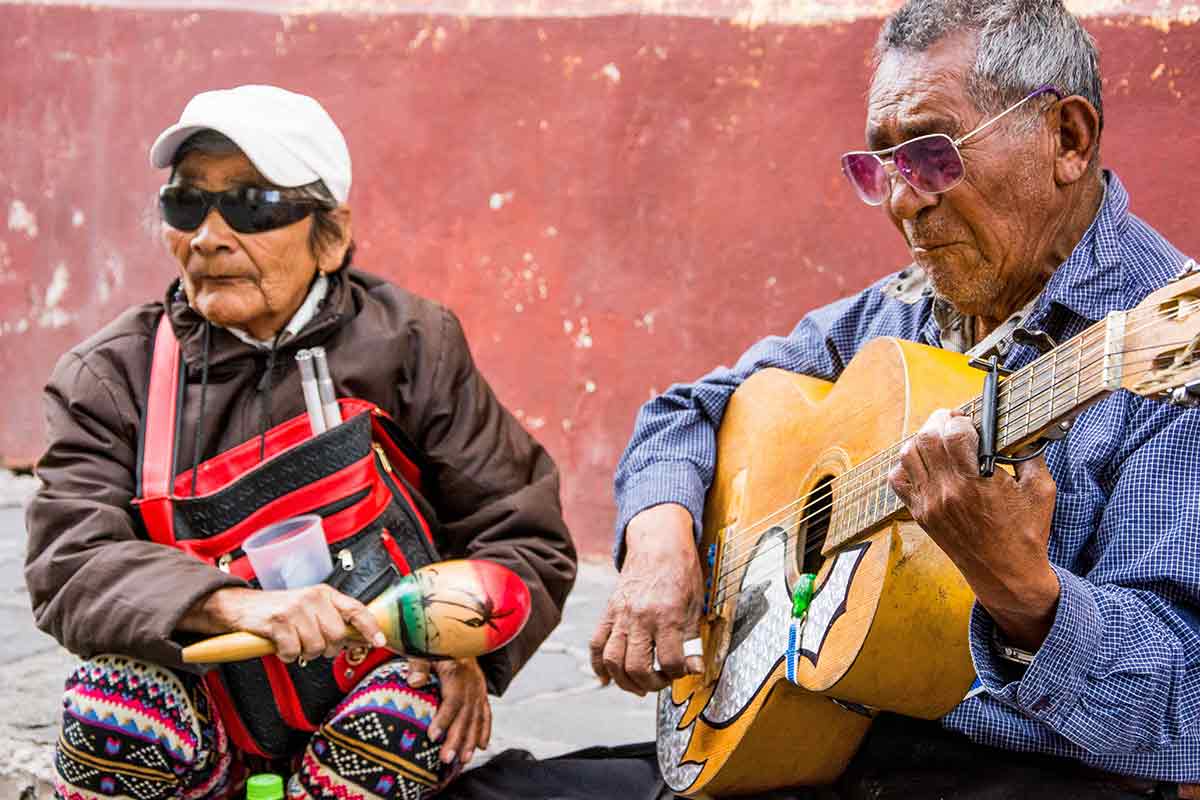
793	674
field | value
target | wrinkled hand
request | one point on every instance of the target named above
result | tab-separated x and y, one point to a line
302	623
994	529
465	713
655	607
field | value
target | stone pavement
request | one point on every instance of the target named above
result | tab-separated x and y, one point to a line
553	706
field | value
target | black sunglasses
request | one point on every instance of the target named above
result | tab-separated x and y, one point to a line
247	209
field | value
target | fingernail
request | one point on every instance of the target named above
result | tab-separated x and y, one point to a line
467	756
379	640
434	733
448	757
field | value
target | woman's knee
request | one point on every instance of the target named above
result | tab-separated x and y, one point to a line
377	740
129	724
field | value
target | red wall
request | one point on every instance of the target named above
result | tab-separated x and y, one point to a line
610	203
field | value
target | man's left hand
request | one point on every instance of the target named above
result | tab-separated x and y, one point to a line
994	529
464	714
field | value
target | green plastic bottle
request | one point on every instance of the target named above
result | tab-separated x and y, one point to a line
264	786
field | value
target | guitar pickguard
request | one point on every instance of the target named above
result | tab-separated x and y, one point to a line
758	644
829	601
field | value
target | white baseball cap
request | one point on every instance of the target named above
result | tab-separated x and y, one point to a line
288	137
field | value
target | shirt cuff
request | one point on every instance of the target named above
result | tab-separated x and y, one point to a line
1052	684
661	482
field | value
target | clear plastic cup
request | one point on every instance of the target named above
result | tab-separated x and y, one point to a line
290	554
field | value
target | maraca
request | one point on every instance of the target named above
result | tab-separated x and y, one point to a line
451	609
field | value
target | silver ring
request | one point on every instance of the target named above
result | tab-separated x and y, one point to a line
692	647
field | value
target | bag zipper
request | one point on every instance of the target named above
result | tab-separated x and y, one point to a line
389	479
327	510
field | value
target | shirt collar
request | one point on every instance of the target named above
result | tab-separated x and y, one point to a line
1089	283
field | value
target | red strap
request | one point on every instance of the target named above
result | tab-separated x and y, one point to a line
158	439
228	714
286	699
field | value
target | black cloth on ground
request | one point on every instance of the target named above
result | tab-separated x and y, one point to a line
901	759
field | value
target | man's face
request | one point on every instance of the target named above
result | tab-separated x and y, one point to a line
982	241
254	282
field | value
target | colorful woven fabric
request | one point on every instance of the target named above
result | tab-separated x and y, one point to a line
374	745
136	730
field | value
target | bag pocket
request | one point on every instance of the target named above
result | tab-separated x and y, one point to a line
362	566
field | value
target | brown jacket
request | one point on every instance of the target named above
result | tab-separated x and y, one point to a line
96	582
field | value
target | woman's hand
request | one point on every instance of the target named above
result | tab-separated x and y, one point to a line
302	623
465	713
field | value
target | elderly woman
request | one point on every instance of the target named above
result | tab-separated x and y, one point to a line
255	215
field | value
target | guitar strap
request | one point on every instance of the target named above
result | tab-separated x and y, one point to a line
999	341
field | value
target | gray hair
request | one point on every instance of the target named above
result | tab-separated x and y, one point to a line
325	231
1022	44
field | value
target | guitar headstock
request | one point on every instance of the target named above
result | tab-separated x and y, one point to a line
1161	342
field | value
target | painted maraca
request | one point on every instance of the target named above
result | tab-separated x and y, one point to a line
451	609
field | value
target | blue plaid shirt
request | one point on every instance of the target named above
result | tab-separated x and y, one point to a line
1116	684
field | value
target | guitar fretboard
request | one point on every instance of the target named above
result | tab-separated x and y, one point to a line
1028	402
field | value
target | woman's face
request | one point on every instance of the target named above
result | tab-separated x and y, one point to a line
256	281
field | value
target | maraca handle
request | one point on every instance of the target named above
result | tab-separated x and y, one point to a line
228	647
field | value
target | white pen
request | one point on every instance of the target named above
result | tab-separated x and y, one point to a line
312	398
329	403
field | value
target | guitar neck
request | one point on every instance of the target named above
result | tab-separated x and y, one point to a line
1032	401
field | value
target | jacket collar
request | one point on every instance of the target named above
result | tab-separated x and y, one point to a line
338	307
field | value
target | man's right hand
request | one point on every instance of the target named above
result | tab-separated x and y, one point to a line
302	623
656	605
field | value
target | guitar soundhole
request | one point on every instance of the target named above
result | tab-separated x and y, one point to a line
816	524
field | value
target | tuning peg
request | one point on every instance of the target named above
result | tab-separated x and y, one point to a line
1189	267
1187	395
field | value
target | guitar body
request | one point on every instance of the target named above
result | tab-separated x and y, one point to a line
887	626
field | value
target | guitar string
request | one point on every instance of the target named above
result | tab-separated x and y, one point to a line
730	573
976	401
790	521
1079	347
851	492
861	473
865	470
866	484
864	478
728	576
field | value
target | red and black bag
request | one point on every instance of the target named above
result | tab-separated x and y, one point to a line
360	476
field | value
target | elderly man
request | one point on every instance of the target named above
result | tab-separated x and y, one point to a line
255	217
993	178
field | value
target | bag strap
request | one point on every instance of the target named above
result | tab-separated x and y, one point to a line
159	434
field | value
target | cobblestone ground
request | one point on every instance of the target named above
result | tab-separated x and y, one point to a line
555	705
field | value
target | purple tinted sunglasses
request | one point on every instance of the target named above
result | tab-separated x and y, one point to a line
930	164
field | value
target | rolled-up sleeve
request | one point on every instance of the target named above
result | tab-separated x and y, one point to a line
672	453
